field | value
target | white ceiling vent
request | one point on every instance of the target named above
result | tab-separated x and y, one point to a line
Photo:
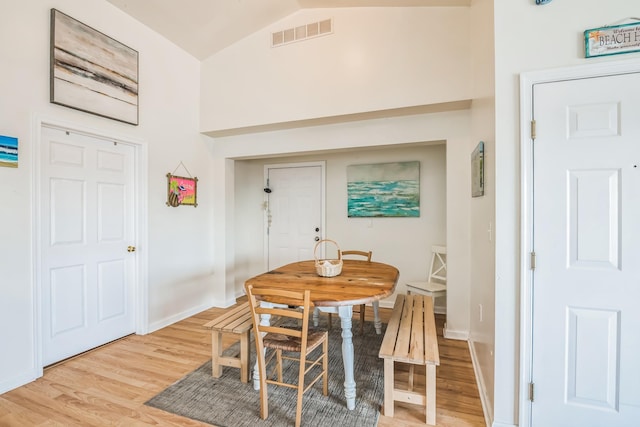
290	35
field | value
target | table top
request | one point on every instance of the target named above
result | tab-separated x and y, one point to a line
360	282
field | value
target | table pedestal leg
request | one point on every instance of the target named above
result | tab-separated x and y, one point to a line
345	313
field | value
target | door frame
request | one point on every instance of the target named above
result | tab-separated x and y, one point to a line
323	199
528	81
140	208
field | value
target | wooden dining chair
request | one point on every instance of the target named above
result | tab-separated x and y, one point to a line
367	256
277	343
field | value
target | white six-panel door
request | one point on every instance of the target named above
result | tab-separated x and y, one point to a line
586	234
86	248
294	219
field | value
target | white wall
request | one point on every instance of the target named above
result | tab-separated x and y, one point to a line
178	248
482	221
528	37
452	127
376	59
402	242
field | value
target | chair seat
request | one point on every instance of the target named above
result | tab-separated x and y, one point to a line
432	288
289	343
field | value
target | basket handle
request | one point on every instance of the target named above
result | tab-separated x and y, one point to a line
326	240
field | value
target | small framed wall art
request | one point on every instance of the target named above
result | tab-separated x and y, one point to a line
477	171
182	191
8	151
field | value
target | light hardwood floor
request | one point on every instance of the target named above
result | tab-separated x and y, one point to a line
109	385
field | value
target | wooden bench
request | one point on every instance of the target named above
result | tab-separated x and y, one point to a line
237	322
411	338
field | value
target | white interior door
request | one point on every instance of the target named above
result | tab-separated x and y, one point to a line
586	228
295	218
87	225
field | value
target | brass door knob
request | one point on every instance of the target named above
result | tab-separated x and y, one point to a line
131	248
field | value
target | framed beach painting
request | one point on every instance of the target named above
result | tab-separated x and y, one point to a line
384	190
92	72
8	151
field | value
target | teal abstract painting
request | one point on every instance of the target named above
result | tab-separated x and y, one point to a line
384	190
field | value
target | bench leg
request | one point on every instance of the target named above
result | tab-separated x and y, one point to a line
244	357
388	388
411	377
216	352
431	394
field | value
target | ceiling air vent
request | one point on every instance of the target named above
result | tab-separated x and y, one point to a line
290	35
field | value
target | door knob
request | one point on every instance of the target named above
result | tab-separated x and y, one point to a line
317	238
131	248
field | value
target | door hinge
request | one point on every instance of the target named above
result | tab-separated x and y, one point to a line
533	261
531	392
533	129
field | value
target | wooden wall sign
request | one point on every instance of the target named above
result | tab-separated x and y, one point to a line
182	191
612	40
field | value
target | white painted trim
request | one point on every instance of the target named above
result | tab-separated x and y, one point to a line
387	303
19	381
323	199
487	409
168	321
440	309
527	82
141	230
503	425
455	335
36	238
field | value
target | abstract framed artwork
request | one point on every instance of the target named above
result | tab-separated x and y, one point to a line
92	72
477	171
182	191
384	190
8	151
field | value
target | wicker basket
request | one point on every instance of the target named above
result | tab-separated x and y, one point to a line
328	267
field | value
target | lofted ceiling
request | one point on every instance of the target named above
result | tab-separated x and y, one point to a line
204	27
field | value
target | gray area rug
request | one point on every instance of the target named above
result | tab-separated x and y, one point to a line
227	402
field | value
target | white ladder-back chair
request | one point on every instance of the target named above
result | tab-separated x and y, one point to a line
436	284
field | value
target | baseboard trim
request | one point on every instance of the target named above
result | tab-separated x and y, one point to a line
487	409
179	316
455	335
504	425
18	381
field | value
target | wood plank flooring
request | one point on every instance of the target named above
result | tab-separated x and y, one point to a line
109	385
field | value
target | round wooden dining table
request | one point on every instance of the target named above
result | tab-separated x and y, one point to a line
360	282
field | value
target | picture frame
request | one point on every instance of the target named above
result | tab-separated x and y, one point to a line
612	40
92	72
182	191
383	190
8	151
477	171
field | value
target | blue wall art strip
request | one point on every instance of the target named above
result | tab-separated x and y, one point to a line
8	151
